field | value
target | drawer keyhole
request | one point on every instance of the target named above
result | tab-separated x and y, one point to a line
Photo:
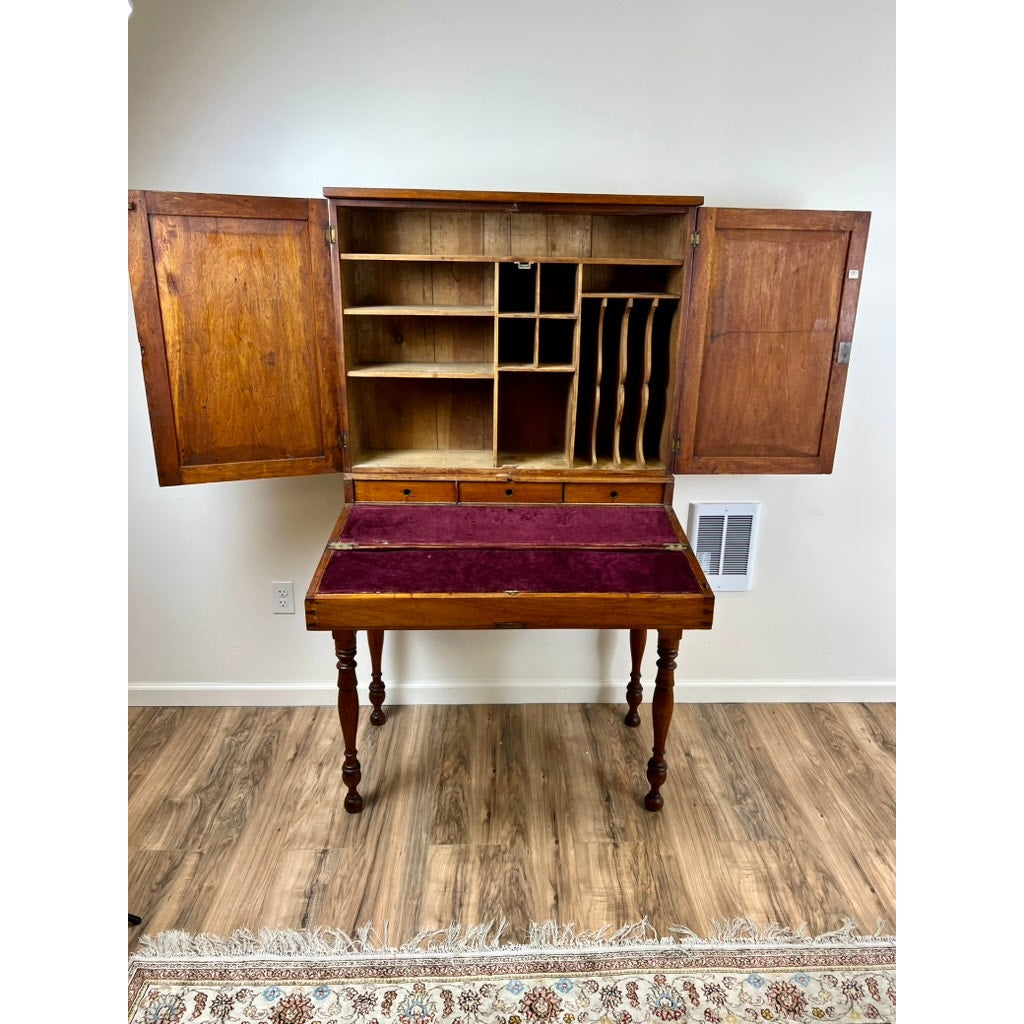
406	490
615	494
509	491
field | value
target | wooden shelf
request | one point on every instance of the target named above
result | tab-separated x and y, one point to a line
428	257
630	295
419	311
426	458
538	316
533	460
474	371
530	368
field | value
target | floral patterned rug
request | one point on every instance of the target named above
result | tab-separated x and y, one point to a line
459	976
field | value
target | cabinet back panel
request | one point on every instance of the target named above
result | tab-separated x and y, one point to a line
384	230
432	415
644	237
611	277
501	234
517	288
772	341
238	317
532	412
557	291
555	343
540	234
418	339
425	232
387	283
516	341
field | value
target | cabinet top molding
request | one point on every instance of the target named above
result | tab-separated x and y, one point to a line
518	200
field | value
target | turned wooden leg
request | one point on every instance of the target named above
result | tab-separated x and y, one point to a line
376	639
634	691
348	713
657	767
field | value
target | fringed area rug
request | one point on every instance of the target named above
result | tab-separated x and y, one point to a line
468	976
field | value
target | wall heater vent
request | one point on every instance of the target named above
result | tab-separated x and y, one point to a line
724	537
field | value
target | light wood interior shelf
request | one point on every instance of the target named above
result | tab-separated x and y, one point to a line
532	460
425	458
630	295
419	311
530	368
423	370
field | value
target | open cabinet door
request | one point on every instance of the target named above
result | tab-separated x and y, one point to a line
239	349
767	339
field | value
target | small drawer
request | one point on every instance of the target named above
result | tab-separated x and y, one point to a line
509	493
627	494
406	490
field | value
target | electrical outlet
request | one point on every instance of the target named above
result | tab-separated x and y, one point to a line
284	597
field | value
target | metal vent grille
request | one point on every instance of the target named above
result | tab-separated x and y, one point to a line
723	537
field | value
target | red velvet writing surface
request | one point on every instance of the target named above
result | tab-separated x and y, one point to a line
478	570
610	525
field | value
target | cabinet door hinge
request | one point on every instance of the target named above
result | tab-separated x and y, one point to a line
695	239
843	355
330	235
342	439
675	444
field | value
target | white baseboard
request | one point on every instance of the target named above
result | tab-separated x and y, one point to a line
705	691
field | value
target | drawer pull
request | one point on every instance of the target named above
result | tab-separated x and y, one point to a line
509	491
406	490
615	494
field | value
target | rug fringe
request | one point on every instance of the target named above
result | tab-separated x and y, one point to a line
455	939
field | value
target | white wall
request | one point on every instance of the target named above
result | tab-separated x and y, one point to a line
746	103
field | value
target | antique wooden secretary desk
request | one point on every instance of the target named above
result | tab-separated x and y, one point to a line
506	381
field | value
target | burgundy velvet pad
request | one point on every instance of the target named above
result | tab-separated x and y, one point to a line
493	570
609	525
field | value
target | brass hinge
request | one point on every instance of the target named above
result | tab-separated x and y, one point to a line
677	547
843	355
695	239
330	235
675	444
341	545
342	439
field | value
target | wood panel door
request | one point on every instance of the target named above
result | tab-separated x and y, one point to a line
767	340
236	324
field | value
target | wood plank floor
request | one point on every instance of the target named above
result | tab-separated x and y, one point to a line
780	812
